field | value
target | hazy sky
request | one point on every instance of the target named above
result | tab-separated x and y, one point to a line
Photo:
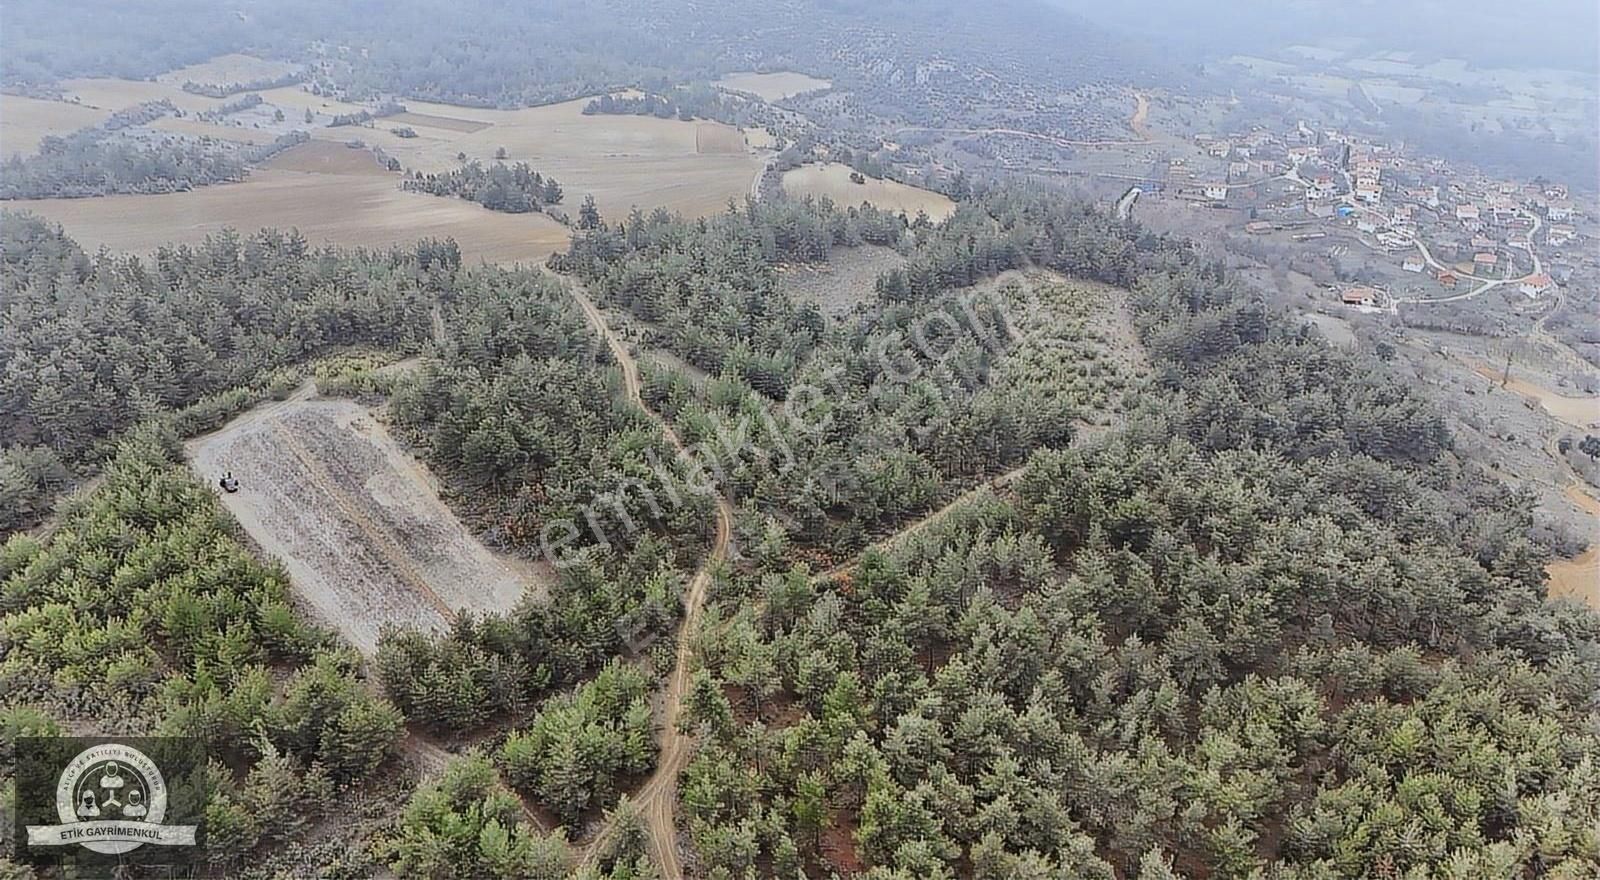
1497	33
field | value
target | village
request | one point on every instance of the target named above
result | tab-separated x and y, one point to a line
1448	233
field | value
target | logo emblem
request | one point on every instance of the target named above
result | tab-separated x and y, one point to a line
111	799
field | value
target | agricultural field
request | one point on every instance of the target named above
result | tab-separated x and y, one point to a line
349	201
773	86
229	69
115	94
356	521
689	167
24	122
833	180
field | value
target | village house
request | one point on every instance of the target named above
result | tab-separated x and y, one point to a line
1369	191
1555	191
1560	234
1216	191
1238	170
1413	264
1365	223
1559	212
1447	278
1258	227
1484	260
1533	285
1366	297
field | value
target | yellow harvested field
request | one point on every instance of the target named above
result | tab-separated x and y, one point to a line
760	139
335	194
327	157
24	122
833	180
623	161
714	137
118	94
297	98
448	123
772	86
229	69
356	210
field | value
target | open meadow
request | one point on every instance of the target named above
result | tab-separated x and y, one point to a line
356	520
351	207
339	195
693	168
24	122
773	86
833	180
229	69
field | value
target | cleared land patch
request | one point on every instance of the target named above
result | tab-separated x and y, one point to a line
714	137
357	522
327	157
833	180
845	280
229	69
448	123
350	209
24	122
116	94
773	86
622	161
1579	412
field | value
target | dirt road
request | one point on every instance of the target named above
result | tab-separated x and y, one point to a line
1141	114
657	799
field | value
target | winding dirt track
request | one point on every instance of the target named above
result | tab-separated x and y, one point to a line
657	798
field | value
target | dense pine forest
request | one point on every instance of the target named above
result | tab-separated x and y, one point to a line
1231	609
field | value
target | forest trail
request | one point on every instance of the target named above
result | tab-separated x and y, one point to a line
657	798
1141	114
999	482
1577	577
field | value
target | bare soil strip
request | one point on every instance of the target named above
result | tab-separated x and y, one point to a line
448	123
357	522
